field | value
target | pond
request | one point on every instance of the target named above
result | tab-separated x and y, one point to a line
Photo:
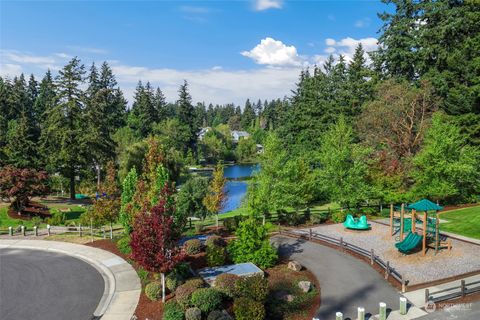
235	187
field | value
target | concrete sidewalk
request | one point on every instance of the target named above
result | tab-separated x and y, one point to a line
122	285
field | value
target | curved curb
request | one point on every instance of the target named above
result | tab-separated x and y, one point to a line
122	285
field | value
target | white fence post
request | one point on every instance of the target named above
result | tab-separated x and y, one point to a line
382	312
48	229
35	231
361	313
403	305
10	231
338	316
23	230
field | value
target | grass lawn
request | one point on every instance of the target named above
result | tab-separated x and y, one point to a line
73	215
465	222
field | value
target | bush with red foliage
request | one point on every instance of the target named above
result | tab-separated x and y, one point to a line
21	184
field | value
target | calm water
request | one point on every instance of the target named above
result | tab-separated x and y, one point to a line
236	189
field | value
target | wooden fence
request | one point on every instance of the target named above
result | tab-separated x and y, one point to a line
389	271
82	231
460	291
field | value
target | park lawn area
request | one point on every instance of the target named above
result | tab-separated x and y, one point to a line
465	222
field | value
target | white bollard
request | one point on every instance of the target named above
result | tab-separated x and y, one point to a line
360	313
10	231
48	229
403	305
23	230
382	313
338	316
35	231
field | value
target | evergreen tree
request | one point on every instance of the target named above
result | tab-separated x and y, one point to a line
63	138
143	113
186	115
360	83
45	100
248	116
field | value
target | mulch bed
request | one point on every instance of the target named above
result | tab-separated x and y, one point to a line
32	209
153	310
146	309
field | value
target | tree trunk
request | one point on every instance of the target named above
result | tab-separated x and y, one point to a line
163	287
72	182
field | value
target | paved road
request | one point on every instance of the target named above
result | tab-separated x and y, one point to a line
346	283
38	285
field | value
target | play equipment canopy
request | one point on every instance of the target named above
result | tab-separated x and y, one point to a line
424	205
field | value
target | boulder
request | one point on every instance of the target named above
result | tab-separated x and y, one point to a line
284	295
294	265
305	286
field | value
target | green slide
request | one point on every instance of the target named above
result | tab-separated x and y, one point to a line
356	224
411	241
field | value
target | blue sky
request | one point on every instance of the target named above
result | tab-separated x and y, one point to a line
227	50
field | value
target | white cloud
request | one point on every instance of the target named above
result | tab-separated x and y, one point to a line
194	9
88	50
212	85
274	53
346	46
10	70
14	57
362	23
261	5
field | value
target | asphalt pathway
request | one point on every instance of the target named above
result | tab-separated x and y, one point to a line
38	285
346	282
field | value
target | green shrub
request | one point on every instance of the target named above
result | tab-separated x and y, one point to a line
183	294
57	219
319	217
216	256
339	216
172	281
253	245
193	314
153	290
193	246
142	274
254	287
173	311
248	309
199	227
215	241
207	299
36	221
123	244
226	283
230	224
217	315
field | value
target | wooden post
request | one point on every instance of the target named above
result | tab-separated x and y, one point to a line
402	213
427	295
372	257
91	229
190	222
414	220
310	235
424	240
80	230
341	243
387	270
463	288
404	286
437	230
391	219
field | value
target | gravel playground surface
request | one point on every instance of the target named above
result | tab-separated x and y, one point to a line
463	257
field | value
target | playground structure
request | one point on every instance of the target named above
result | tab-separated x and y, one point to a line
356	224
405	218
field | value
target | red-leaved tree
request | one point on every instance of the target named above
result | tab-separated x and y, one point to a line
154	239
21	184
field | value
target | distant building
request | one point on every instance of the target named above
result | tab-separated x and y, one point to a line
259	148
203	132
239	135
